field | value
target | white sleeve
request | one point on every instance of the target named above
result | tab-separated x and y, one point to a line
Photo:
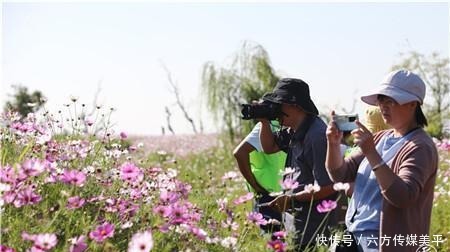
253	137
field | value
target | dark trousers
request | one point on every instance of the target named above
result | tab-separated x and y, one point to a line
268	213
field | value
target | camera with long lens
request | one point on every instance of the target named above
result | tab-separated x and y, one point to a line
267	110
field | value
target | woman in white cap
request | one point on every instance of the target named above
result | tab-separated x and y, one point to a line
394	171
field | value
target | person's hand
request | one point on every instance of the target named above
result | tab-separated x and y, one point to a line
334	135
281	203
363	138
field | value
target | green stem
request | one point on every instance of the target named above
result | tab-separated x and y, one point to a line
321	223
24	152
307	219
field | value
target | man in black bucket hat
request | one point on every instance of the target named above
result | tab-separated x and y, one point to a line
292	91
304	141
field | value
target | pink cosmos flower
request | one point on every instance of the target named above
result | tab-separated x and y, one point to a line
289	184
45	241
123	135
168	197
279	234
243	198
32	167
256	218
165	211
28	237
27	196
178	214
7	174
198	232
277	245
326	206
141	242
75	202
102	232
129	172
78	244
73	177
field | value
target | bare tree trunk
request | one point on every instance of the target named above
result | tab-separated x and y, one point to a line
168	115
174	89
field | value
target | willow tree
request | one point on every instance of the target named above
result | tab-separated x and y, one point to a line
246	78
25	102
435	72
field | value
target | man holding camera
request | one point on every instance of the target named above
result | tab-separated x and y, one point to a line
304	141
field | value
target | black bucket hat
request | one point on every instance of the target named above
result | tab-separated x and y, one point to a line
292	91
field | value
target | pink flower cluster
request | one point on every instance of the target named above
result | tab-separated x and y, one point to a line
443	145
18	186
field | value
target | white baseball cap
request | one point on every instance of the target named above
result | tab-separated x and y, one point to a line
402	85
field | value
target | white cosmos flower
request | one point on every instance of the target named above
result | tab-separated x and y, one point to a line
312	188
275	194
288	171
229	242
341	186
141	242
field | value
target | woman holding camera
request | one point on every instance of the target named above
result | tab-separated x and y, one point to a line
394	171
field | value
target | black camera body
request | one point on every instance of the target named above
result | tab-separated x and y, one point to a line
267	110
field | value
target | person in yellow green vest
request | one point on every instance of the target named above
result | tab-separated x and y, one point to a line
263	173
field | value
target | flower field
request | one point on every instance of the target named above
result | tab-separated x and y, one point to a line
73	185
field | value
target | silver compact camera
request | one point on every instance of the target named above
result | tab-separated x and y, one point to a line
346	122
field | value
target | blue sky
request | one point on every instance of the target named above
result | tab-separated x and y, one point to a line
340	49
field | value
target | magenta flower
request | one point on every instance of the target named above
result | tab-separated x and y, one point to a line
178	215
129	172
326	206
243	198
78	244
141	242
102	232
75	202
289	184
123	135
27	196
4	248
277	245
73	177
256	218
